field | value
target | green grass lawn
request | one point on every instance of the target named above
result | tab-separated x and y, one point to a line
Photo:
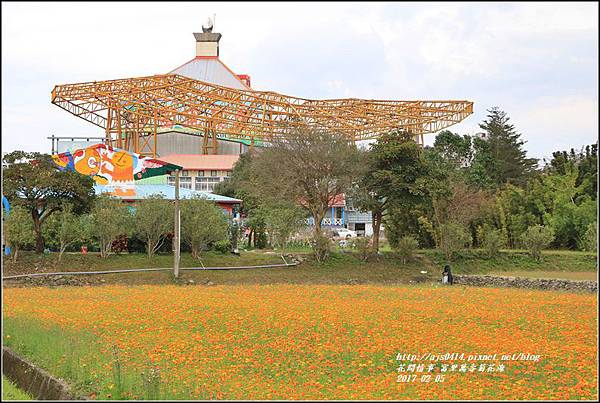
342	268
476	261
568	275
29	262
11	392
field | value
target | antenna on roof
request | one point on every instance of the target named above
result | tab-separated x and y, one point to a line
214	18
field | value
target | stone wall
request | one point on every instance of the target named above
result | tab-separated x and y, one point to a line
532	283
32	379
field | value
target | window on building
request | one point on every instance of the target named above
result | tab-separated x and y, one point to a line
206	184
200	173
214	173
349	206
184	181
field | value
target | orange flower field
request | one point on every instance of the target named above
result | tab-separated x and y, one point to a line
309	342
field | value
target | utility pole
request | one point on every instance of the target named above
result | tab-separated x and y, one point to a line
177	231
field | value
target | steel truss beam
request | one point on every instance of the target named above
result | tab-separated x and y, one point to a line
131	111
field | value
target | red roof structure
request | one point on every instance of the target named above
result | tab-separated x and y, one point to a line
338	201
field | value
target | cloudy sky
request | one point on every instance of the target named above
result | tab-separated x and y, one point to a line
536	61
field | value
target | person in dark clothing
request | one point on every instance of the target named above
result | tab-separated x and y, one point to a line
447	275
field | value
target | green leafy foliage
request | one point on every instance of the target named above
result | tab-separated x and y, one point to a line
63	229
34	182
570	210
321	247
394	187
283	220
589	242
108	219
363	246
154	218
585	162
240	185
18	230
536	238
454	237
202	223
234	234
491	239
309	168
223	246
406	248
499	157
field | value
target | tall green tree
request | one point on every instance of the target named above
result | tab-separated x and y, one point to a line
499	157
34	182
202	223
451	199
392	181
153	221
454	149
365	195
109	218
283	220
571	210
536	238
585	162
239	185
18	230
308	167
63	229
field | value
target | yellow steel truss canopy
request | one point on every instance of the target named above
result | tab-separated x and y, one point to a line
132	110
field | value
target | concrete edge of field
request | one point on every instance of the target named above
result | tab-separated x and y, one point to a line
524	282
34	380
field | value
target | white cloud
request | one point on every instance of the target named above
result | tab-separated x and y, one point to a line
560	122
538	58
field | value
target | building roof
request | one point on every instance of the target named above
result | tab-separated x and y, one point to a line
223	162
212	70
338	201
140	192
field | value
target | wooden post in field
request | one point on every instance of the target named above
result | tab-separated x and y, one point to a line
177	230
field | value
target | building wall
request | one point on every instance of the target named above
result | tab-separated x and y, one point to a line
368	228
364	219
227	207
358	216
203	180
185	143
153	180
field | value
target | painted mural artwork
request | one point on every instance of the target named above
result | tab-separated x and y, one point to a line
112	166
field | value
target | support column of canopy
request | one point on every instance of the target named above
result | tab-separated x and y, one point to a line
114	134
210	143
146	142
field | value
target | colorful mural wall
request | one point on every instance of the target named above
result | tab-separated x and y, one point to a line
112	166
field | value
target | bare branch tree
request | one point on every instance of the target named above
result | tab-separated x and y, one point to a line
309	167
